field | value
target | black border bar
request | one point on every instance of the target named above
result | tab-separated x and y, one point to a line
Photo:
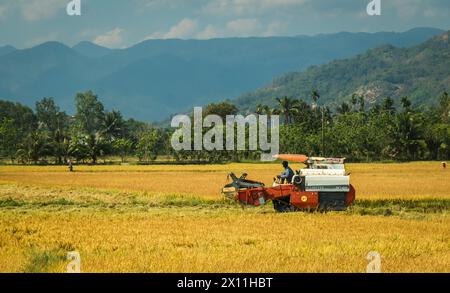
223	282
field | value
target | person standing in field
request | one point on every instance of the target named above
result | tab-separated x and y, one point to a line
444	165
70	166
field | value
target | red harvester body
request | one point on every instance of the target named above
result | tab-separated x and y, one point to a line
323	185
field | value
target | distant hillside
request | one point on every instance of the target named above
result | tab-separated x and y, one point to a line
421	72
91	50
156	78
6	50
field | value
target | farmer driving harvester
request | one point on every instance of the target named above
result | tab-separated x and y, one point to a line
286	176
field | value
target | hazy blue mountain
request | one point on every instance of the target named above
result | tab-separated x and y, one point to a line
91	50
50	69
421	72
6	50
156	78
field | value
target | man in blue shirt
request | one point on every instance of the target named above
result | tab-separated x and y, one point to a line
286	176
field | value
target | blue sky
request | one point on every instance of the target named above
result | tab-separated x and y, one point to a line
121	23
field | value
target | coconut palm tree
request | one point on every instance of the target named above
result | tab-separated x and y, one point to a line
406	104
354	101
286	107
315	96
35	146
113	125
362	104
343	109
261	109
444	108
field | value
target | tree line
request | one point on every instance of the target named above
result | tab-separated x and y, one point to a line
359	132
49	135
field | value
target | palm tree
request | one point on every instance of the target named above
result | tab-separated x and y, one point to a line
260	109
113	125
362	104
95	146
287	107
354	101
406	104
35	146
409	134
388	105
444	108
343	109
315	96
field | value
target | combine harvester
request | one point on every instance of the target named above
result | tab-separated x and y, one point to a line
323	185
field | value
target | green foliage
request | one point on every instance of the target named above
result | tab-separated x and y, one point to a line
123	147
149	145
16	122
42	261
113	125
381	133
221	109
33	147
287	107
355	130
90	112
53	123
91	134
8	138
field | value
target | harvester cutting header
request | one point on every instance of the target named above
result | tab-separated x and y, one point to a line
322	185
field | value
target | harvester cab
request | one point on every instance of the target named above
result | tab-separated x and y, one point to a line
322	185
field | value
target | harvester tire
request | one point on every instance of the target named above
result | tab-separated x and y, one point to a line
283	205
332	205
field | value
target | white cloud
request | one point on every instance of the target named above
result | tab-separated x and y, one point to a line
186	28
34	10
111	39
208	32
183	29
248	7
244	27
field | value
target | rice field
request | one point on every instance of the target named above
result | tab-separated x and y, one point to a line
167	218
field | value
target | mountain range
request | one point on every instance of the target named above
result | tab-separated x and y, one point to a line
421	72
6	50
157	78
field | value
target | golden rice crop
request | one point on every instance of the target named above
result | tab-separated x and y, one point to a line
372	181
172	219
170	240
